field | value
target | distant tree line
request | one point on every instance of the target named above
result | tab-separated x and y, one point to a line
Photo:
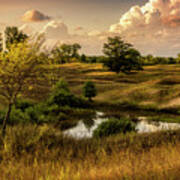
119	56
23	65
153	60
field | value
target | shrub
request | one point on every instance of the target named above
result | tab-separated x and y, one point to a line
62	96
23	104
89	90
114	126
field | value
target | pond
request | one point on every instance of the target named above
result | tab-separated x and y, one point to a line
85	129
145	126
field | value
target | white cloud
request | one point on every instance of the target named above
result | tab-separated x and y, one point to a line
55	30
153	28
34	16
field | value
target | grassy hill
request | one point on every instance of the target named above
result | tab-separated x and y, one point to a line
41	152
159	85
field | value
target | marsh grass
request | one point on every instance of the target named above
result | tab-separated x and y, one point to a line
41	152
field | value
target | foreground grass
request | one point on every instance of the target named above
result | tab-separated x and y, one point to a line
41	152
158	163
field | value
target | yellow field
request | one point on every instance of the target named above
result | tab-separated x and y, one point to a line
43	154
158	84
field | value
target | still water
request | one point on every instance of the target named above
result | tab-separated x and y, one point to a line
85	129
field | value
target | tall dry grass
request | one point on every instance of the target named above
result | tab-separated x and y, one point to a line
41	152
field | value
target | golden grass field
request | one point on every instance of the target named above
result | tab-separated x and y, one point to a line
158	84
33	152
41	153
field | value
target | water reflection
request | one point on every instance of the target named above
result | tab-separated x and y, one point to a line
150	127
85	128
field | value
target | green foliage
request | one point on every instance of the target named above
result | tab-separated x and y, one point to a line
89	90
121	57
152	60
92	59
23	104
114	126
20	70
83	58
62	96
14	36
65	53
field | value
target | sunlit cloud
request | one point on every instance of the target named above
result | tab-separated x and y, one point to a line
153	27
34	16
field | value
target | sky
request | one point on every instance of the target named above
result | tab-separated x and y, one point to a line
152	26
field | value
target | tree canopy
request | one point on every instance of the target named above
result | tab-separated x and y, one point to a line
13	35
89	90
66	52
121	56
20	69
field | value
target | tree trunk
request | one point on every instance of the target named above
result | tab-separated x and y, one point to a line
6	119
90	99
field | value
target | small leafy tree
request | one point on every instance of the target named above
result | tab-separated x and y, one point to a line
121	57
20	70
13	35
83	58
89	90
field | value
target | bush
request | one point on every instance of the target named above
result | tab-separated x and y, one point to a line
62	96
23	104
114	126
89	90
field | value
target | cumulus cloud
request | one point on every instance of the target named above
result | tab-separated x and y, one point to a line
34	16
55	30
152	27
27	29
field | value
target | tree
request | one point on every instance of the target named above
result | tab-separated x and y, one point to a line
20	70
1	42
89	90
13	35
178	58
65	53
121	57
62	96
83	58
75	48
